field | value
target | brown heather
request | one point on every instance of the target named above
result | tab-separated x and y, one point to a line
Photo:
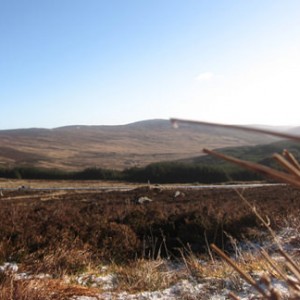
290	271
70	233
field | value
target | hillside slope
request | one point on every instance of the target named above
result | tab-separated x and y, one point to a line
258	153
119	147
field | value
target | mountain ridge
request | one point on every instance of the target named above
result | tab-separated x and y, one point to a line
115	146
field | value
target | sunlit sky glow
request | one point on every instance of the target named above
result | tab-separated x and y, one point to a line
94	62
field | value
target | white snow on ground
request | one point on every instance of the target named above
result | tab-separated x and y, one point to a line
184	289
176	291
9	267
106	282
189	288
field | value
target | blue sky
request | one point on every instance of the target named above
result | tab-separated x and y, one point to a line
97	62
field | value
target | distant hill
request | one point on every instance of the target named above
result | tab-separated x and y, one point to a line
294	130
259	153
118	147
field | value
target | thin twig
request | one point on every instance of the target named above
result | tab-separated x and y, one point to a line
264	222
280	176
291	261
243	274
208	248
291	158
273	265
239	127
233	296
287	165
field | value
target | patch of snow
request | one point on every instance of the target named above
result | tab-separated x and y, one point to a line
12	268
9	267
84	298
190	288
106	282
22	276
177	291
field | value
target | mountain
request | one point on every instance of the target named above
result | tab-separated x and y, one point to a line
118	147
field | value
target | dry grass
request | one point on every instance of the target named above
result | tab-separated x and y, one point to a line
44	184
40	289
145	275
75	228
289	271
68	236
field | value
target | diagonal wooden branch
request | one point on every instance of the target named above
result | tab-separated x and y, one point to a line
244	275
175	121
287	165
272	263
291	158
295	267
233	296
269	172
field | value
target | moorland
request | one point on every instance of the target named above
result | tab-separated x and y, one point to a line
54	236
67	233
113	226
115	147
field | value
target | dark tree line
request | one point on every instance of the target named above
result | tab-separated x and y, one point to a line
176	173
164	172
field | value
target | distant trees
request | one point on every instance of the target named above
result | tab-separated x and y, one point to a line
33	173
170	172
163	172
97	174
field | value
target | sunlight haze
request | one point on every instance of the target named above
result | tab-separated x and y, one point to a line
94	62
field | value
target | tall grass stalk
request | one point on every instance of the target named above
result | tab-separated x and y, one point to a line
291	175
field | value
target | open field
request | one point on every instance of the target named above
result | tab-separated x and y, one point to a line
40	184
70	232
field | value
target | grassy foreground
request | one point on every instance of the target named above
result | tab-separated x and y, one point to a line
72	233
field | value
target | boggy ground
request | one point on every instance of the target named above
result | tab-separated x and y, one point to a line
63	231
72	232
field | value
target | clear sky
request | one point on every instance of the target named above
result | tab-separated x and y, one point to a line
95	62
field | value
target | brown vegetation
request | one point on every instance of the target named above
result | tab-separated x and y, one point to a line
113	147
73	230
69	233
